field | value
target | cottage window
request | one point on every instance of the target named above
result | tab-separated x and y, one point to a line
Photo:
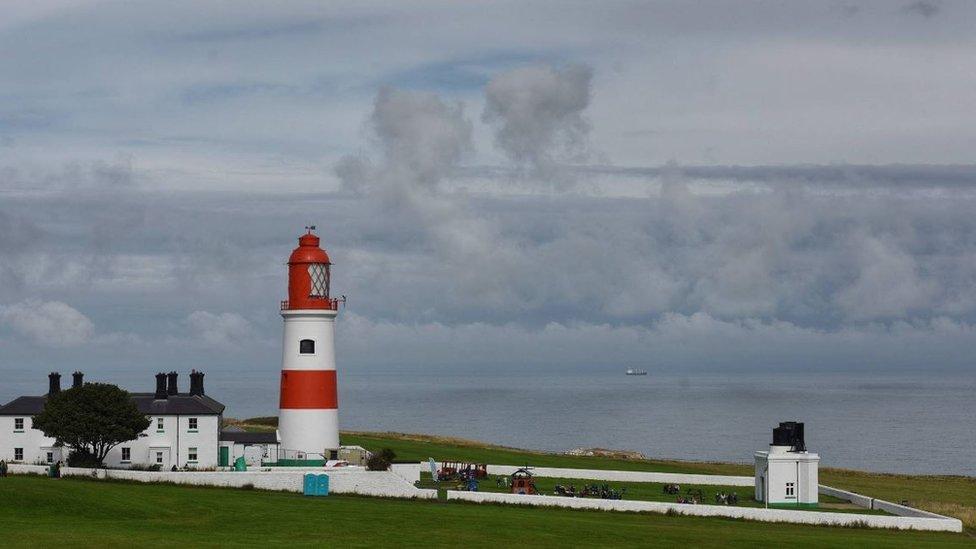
159	458
50	457
790	489
159	425
191	455
192	423
126	455
306	346
18	424
18	454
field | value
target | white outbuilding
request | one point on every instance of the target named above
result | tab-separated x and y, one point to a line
787	474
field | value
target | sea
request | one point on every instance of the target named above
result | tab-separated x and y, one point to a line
918	423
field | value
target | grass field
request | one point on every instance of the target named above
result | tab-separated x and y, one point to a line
74	512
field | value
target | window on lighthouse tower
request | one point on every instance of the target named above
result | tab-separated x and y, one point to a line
306	347
319	273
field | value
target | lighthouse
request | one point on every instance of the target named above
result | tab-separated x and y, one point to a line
308	420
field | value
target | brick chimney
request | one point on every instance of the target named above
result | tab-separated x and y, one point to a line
77	380
53	383
196	383
172	389
160	386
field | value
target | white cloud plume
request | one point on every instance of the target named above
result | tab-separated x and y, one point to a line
537	114
48	323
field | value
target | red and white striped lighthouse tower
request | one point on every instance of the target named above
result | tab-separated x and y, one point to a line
308	421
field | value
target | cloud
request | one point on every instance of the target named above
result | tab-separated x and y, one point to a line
674	342
922	7
48	323
537	114
227	330
420	137
887	285
418	140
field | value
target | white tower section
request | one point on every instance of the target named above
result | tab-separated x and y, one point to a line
313	431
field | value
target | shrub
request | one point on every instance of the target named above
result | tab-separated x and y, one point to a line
380	461
138	467
83	458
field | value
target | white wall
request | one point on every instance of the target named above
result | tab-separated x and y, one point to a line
142	450
176	431
751	513
775	469
33	441
410	472
254	454
872	503
625	476
346	480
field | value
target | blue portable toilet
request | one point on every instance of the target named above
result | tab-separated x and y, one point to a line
311	484
316	485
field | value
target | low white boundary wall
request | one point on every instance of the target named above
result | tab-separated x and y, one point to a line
874	503
941	524
627	476
341	480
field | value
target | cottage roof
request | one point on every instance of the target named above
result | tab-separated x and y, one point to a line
180	404
249	438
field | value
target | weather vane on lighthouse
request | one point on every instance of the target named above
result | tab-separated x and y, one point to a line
308	419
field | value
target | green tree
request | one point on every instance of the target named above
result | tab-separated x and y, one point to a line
93	418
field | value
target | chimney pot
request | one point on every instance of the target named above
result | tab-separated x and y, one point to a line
173	388
54	383
160	386
196	383
77	380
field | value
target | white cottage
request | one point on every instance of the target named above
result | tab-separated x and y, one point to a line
184	429
787	475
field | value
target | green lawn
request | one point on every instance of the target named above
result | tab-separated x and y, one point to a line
42	512
421	447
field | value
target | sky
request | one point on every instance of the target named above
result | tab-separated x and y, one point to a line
710	186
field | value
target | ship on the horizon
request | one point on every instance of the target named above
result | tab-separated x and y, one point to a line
636	372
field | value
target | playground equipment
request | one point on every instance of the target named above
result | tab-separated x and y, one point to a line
458	470
522	482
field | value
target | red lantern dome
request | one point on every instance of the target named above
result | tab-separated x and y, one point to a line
308	276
